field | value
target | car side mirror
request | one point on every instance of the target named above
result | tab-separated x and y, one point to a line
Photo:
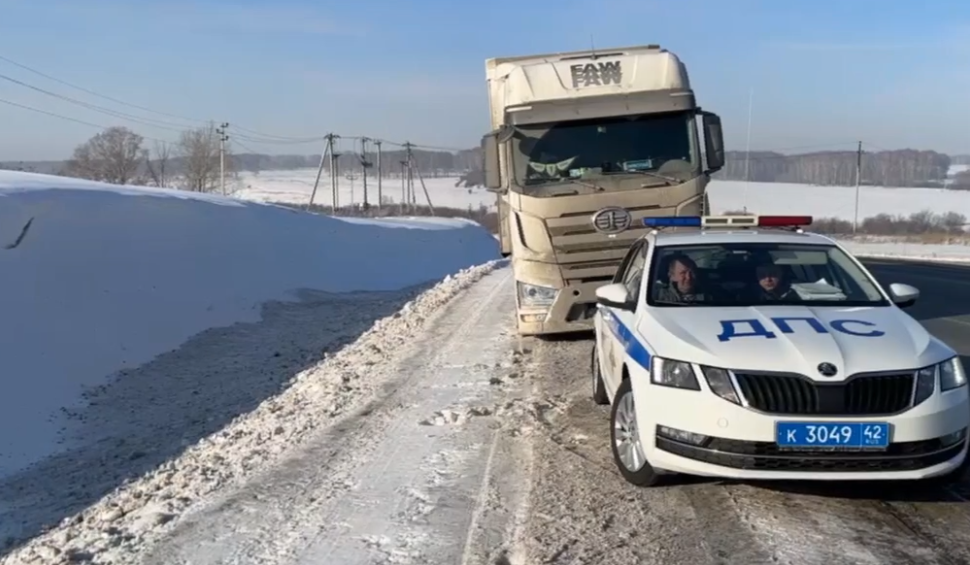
903	295
615	295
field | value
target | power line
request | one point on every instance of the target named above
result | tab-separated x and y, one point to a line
68	118
271	138
93	93
94	107
235	141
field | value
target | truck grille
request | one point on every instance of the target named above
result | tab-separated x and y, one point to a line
864	395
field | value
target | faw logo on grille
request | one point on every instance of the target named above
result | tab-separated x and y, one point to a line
612	220
596	74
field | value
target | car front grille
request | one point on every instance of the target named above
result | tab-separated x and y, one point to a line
860	395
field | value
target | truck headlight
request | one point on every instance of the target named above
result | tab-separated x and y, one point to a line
952	374
533	295
675	374
720	382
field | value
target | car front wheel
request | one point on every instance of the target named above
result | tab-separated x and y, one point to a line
625	435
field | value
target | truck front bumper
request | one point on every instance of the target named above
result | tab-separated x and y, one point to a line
571	311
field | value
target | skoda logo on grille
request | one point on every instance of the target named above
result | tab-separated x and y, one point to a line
827	369
612	220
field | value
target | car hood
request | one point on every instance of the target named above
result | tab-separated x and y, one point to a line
704	335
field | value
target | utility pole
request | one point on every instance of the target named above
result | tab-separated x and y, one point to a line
427	196
334	187
380	175
323	159
364	163
223	138
404	181
858	183
747	151
409	158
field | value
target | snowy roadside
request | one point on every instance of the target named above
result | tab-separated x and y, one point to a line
419	475
126	522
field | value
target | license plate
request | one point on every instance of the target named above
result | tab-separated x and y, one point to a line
832	435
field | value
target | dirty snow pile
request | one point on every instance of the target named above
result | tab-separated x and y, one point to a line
137	322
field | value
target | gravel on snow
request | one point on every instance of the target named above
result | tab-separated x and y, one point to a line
127	520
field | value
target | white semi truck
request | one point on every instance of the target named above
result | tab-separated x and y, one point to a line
583	146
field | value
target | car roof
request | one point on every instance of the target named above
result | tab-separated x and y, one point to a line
718	236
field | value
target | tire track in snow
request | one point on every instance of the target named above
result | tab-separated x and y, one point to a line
380	488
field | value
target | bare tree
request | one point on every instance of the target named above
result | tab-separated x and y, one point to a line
199	149
156	163
111	156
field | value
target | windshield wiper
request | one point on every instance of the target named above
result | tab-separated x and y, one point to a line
539	182
665	178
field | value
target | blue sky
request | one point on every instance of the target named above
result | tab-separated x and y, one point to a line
824	73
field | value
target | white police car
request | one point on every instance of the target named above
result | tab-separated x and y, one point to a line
748	349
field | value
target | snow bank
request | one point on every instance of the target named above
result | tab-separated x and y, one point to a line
118	528
96	279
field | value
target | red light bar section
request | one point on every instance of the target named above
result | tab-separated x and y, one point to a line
782	221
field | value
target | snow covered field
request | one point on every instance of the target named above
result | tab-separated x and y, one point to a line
295	187
763	198
136	322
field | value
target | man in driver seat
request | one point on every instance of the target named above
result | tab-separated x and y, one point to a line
683	284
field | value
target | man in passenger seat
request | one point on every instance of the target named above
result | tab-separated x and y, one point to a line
773	285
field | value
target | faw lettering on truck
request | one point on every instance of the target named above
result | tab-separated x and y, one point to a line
596	74
729	328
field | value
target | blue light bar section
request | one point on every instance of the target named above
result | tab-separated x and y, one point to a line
672	221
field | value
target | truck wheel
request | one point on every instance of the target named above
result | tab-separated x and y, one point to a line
625	440
599	388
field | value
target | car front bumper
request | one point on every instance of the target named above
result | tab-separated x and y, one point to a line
926	441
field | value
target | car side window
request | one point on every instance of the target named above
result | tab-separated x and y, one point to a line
634	273
624	267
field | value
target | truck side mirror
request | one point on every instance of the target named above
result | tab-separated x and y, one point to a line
713	142
490	165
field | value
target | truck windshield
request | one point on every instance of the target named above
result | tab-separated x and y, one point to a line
657	145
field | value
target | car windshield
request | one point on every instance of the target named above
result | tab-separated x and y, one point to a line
759	274
652	146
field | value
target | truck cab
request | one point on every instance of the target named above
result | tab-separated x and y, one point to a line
583	146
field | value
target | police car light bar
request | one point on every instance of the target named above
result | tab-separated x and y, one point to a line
727	221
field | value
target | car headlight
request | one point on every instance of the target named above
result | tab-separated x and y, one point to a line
925	384
720	382
675	374
533	295
952	374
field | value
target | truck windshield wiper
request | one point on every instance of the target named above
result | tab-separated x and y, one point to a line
665	178
569	180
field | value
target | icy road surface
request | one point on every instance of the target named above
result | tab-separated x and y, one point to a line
407	480
472	452
481	455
